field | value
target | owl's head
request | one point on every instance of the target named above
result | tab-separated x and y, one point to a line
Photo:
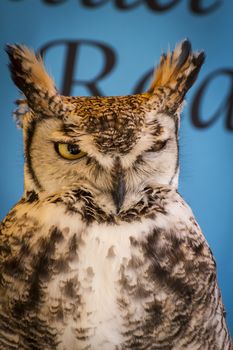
114	146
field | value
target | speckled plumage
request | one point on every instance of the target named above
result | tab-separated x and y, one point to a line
101	252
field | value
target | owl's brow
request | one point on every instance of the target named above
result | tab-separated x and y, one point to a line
65	134
69	129
62	139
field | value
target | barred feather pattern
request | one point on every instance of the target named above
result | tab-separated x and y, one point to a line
100	281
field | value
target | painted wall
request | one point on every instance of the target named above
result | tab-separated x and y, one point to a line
108	47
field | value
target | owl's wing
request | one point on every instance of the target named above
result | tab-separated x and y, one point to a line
184	309
24	271
207	328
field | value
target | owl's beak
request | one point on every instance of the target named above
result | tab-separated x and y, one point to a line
118	185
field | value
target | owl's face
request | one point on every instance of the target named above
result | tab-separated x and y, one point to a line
103	137
115	146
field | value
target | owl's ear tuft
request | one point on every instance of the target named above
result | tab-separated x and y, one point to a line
177	71
28	71
30	76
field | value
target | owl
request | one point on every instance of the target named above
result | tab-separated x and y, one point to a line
102	252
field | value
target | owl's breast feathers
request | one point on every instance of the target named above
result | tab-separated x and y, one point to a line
75	276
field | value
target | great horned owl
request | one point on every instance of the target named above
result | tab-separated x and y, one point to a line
102	252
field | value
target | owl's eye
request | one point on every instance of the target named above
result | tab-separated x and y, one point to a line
158	146
69	151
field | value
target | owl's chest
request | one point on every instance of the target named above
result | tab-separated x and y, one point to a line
103	270
78	286
79	278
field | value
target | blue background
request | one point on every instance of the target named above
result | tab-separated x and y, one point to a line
137	36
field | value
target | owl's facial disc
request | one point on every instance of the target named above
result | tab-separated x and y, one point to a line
64	155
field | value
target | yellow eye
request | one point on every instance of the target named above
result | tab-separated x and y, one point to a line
69	151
